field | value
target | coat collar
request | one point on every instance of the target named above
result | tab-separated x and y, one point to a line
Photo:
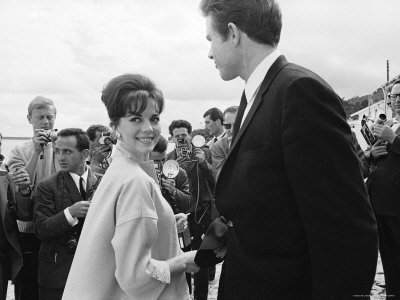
269	77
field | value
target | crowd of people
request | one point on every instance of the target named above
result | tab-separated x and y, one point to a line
277	192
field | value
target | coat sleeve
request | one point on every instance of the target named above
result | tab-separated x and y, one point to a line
49	223
329	191
137	273
183	196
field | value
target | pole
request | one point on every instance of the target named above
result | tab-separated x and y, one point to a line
387	70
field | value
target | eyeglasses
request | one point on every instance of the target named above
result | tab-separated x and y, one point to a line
227	126
393	97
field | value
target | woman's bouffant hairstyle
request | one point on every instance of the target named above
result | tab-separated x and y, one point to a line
129	93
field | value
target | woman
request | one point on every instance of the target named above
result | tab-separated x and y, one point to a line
129	247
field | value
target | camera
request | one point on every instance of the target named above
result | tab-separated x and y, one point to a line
182	148
72	243
3	167
107	139
51	135
381	119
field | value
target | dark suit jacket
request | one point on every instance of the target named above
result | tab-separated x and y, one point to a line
10	248
292	186
384	182
52	196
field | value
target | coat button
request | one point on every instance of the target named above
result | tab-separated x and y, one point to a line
230	223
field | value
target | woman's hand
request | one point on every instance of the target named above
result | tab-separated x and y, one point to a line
183	263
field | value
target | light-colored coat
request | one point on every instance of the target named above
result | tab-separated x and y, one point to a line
129	233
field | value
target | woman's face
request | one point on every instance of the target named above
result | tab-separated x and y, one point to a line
141	131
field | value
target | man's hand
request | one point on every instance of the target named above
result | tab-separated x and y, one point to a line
40	139
199	153
21	178
384	132
377	150
100	153
181	222
168	184
79	209
182	160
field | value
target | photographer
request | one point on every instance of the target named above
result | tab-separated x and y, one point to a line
176	192
101	143
384	187
36	157
197	164
60	207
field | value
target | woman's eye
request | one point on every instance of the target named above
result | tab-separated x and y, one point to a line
135	119
155	119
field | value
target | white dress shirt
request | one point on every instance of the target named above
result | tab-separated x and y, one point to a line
256	78
71	220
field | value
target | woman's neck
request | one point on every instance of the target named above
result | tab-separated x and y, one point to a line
138	156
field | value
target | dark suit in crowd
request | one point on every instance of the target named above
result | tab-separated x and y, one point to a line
384	190
10	248
303	226
53	195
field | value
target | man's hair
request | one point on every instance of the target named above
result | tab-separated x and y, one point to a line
231	109
82	140
396	82
91	131
261	20
129	93
161	145
40	102
215	114
179	124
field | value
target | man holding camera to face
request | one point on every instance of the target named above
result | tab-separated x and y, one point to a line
36	157
196	161
61	204
101	142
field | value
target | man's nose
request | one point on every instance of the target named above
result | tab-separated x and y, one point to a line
210	56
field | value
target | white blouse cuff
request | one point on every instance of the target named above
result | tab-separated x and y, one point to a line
159	270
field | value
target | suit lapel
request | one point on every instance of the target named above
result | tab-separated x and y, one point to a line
269	77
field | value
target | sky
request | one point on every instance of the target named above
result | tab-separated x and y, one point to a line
68	50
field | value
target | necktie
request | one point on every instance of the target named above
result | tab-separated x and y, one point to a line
239	116
81	189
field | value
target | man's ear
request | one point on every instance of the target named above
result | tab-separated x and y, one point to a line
29	119
85	153
234	34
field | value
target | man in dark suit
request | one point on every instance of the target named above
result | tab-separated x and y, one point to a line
300	222
384	187
59	210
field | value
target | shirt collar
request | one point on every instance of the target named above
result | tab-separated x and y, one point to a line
221	136
257	77
76	177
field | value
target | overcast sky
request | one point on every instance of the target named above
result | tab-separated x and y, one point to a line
68	50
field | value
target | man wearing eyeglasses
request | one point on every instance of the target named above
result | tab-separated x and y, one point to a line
220	149
384	189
